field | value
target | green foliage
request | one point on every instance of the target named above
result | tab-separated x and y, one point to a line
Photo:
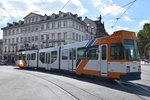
144	40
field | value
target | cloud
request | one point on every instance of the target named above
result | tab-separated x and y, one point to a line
107	7
143	22
111	30
127	19
17	9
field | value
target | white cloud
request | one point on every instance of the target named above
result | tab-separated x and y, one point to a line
127	19
111	8
107	7
143	22
18	9
117	28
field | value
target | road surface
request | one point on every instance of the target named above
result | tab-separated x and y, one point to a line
16	84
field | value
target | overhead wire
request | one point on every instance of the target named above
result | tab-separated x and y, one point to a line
65	5
117	19
119	8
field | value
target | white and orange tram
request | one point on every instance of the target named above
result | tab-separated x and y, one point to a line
115	56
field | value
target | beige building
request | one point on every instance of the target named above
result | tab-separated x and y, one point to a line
37	31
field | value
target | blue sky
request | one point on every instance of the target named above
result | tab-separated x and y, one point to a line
133	19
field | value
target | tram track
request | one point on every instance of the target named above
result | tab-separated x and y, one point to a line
67	91
134	88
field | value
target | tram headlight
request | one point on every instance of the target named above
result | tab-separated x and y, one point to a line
128	69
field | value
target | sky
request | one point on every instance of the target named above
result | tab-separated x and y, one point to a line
131	17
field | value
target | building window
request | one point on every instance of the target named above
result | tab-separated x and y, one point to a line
53	44
76	36
73	35
9	41
42	27
29	29
65	23
5	41
47	26
47	36
36	19
13	31
58	36
59	24
28	39
36	28
12	48
13	40
53	25
79	37
25	39
42	37
9	32
21	39
65	35
32	38
5	49
36	38
74	25
53	36
17	39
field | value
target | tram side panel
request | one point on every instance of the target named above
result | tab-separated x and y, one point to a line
49	58
93	61
31	58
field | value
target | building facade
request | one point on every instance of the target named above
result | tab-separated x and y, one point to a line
37	31
1	48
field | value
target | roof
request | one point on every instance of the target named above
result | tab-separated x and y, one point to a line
32	13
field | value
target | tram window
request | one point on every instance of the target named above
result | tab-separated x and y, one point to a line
24	56
81	53
72	54
93	53
28	56
117	51
33	56
48	58
42	57
65	54
20	56
53	56
103	52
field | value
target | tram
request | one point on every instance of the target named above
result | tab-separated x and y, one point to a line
115	57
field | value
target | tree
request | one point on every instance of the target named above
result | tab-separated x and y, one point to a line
144	40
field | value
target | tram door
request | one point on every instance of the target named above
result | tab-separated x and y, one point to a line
48	67
72	59
103	60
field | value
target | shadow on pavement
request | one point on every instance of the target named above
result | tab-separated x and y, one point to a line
138	89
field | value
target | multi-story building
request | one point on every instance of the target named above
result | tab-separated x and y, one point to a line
37	31
1	48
